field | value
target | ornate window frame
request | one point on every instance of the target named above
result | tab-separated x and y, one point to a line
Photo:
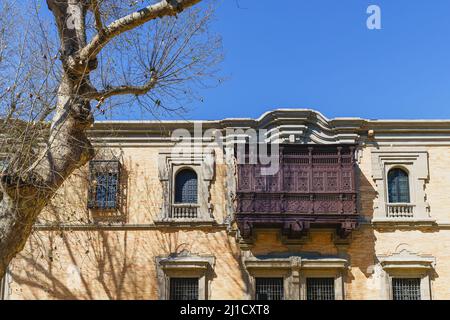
170	162
406	264
295	270
415	163
184	265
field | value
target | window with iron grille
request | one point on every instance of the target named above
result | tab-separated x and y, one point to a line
183	289
104	187
406	288
269	289
186	186
398	186
320	289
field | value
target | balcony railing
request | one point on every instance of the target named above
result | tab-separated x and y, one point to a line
400	210
296	203
184	211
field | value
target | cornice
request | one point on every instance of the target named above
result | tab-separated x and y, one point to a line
282	125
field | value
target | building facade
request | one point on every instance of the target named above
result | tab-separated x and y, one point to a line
291	205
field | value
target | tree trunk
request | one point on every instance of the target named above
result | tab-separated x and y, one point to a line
67	148
24	194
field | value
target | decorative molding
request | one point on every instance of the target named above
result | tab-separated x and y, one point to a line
230	186
415	162
293	226
283	125
404	223
407	260
295	269
182	265
202	161
406	264
130	226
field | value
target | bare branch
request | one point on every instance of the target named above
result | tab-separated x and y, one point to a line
131	21
97	15
125	89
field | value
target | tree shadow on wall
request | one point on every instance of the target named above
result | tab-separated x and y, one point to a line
74	257
79	265
229	272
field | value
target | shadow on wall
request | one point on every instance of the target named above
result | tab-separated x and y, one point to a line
118	264
78	265
362	247
89	263
64	263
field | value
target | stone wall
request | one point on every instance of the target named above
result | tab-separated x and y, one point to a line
85	260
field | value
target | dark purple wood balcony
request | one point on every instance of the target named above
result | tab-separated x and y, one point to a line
314	187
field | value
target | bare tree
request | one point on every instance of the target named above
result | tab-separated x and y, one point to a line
96	57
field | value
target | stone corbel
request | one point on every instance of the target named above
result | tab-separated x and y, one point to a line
295	229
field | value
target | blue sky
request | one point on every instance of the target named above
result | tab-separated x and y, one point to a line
319	54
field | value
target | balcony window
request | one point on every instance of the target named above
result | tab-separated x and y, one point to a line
406	288
183	289
185	204
104	185
401	176
398	186
186	186
320	289
399	205
186	178
269	289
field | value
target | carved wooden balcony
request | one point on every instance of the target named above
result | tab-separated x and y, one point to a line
314	187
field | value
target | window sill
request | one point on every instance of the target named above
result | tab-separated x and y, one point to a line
403	222
185	222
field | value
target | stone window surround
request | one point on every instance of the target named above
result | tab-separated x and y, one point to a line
169	164
295	270
185	266
415	163
407	265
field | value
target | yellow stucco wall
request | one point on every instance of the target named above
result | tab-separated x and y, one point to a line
120	263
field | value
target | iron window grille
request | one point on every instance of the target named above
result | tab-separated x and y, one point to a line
406	289
183	289
269	289
320	289
398	186
186	186
104	185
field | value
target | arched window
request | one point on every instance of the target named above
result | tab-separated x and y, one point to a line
186	186
398	186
